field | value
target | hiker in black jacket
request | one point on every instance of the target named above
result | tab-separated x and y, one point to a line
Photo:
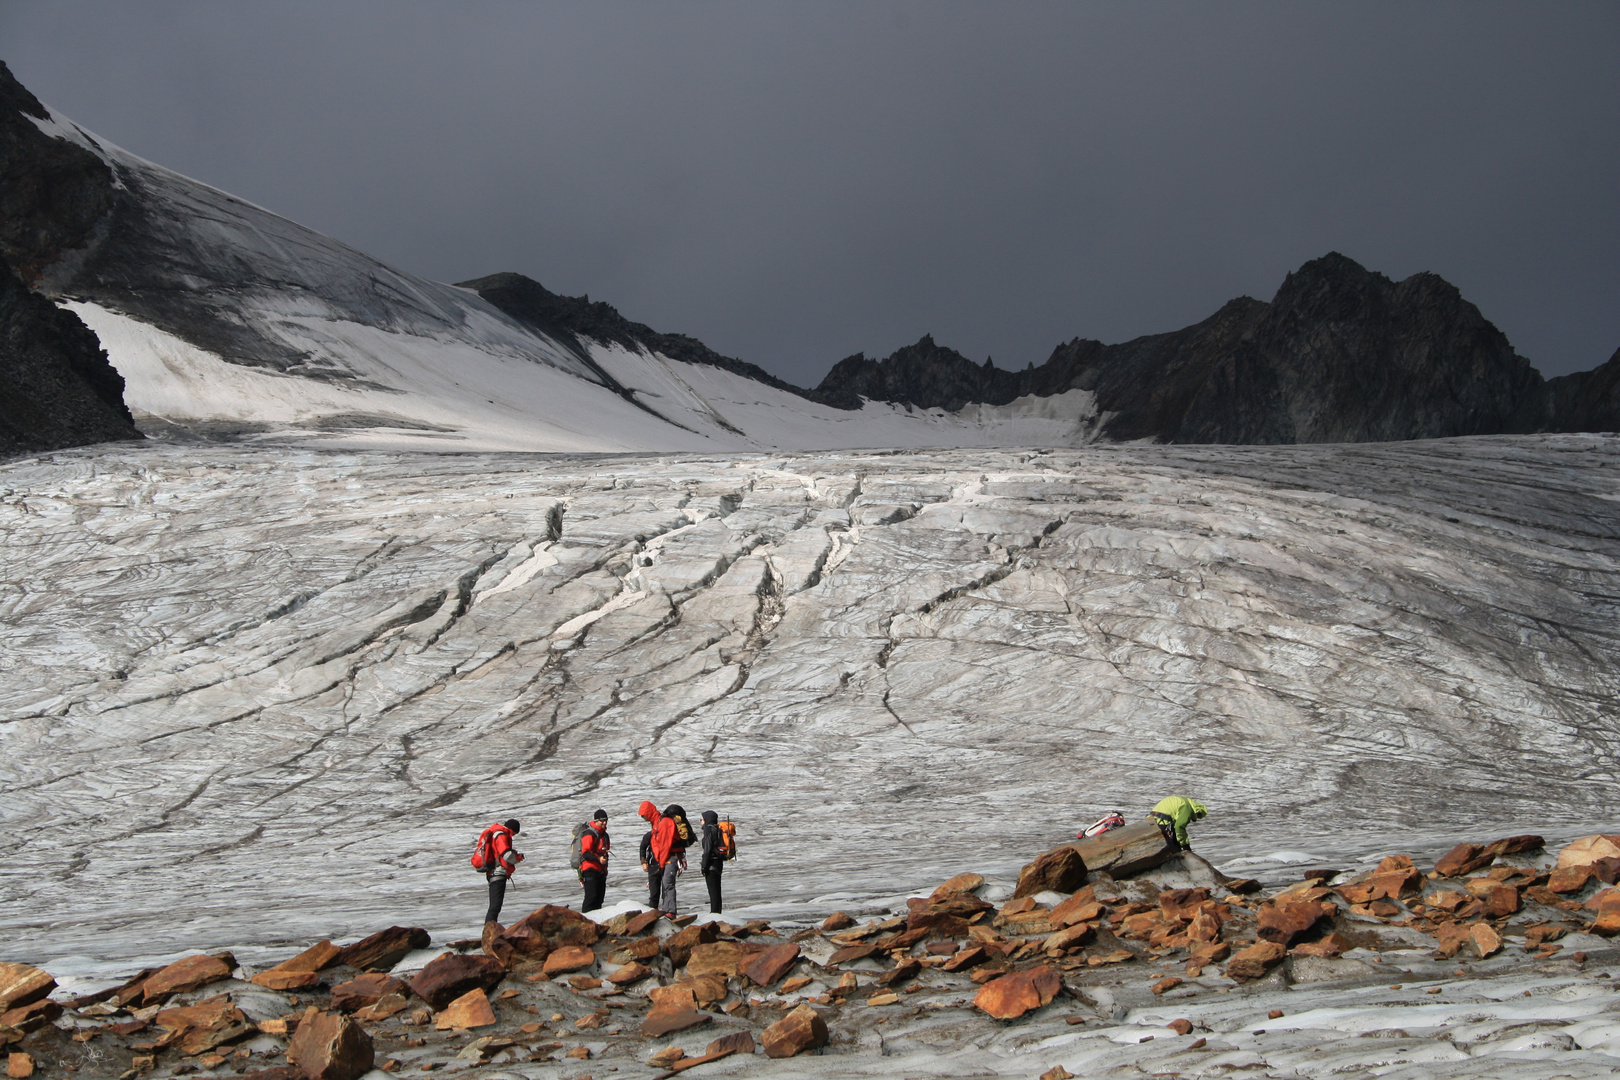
714	859
654	872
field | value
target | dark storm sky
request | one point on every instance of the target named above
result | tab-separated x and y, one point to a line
793	183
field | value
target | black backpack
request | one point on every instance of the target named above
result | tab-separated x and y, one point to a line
683	830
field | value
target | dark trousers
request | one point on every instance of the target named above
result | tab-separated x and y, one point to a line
497	897
712	876
655	884
595	882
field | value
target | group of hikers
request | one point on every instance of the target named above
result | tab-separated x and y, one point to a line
663	856
669	834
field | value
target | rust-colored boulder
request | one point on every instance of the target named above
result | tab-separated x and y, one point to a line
299	971
835	922
565	926
668	1019
632	972
1329	945
1081	907
275	979
367	989
800	1030
961	883
1452	936
1500	900
470	1010
1059	870
1516	845
680	944
1568	879
1011	996
206	1025
1182	904
1070	937
520	941
569	959
1288	923
31	1017
330	1046
385	948
21	984
1588	850
1485	939
1126	851
448	977
1256	960
1463	859
640	924
765	968
721	958
182	976
701	990
972	956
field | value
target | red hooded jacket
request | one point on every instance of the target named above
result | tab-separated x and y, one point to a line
593	847
663	831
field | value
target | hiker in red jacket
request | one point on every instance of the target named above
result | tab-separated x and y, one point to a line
499	862
668	848
593	860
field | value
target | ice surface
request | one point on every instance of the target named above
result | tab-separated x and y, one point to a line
253	697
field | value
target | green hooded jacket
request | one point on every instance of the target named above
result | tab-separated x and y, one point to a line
1183	812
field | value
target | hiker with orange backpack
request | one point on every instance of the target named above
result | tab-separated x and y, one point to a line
494	857
670	836
719	846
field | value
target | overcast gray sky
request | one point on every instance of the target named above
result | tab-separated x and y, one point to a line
793	183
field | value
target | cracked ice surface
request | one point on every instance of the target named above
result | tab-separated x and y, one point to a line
253	697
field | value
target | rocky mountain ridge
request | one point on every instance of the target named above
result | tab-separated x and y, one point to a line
1340	354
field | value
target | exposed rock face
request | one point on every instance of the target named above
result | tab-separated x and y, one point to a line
330	1046
568	319
1341	354
56	387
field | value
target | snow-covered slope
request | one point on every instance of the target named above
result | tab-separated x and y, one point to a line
229	321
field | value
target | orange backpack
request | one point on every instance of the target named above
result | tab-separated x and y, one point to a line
728	840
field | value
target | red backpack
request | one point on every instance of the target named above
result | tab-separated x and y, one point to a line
483	856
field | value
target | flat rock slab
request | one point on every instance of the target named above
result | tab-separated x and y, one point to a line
385	948
21	984
770	965
184	975
470	1010
1011	996
667	1020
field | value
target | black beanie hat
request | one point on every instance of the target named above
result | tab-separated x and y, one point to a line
512	823
601	815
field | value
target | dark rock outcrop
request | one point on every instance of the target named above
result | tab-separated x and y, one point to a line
56	387
1340	354
568	319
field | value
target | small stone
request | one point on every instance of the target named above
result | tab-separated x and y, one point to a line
569	958
1287	923
1463	859
1274	1014
795	984
666	1057
667	1020
836	921
470	1010
1180	1027
20	1066
586	982
276	979
888	997
1057	1072
591	1021
330	1046
800	1030
1165	985
579	1053
1329	946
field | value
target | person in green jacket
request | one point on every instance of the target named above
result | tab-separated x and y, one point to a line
1174	814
